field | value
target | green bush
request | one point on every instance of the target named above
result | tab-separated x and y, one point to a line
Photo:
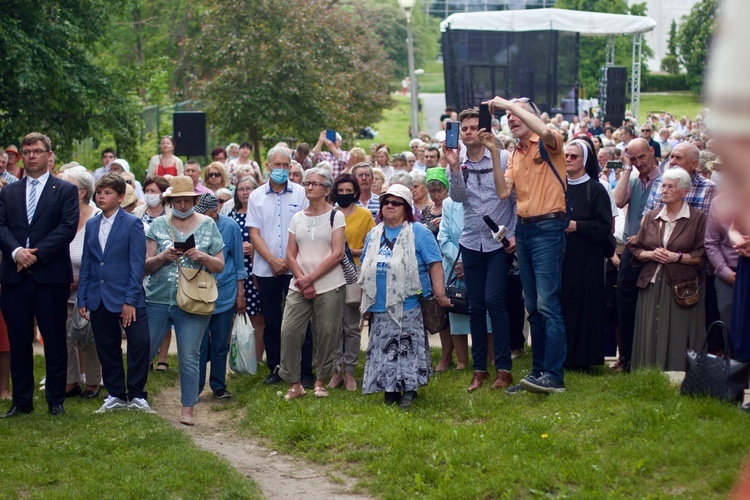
664	83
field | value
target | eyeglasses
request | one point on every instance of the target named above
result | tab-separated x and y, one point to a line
645	130
363	175
572	157
313	184
393	203
222	201
35	152
245	190
214	174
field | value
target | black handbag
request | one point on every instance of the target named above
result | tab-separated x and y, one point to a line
456	294
720	377
434	317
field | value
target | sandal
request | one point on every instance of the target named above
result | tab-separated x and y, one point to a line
350	383
294	393
162	367
320	392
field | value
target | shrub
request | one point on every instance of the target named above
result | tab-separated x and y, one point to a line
664	83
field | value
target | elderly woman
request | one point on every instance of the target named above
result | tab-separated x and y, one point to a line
437	187
400	261
316	293
155	205
671	245
582	298
165	163
378	180
245	186
81	345
215	177
419	193
164	263
359	221
295	172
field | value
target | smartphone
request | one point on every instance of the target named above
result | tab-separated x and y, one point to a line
184	246
485	118
331	136
614	164
451	135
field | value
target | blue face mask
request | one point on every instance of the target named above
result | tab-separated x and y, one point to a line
183	215
279	175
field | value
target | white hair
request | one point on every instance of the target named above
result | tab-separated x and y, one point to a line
409	155
278	151
403	178
418	176
679	175
414	142
81	177
324	174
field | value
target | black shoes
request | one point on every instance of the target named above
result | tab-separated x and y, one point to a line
74	392
87	394
307	382
56	410
392	398
407	399
15	411
542	385
222	394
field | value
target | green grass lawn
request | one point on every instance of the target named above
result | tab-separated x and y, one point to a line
122	454
676	103
432	81
394	128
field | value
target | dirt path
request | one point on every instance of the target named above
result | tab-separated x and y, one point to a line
278	476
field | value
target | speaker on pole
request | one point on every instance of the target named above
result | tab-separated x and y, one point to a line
189	133
614	86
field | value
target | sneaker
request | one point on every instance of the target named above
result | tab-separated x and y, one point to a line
222	394
543	385
514	389
112	403
140	404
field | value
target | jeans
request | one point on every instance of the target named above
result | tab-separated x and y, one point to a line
215	347
486	278
188	329
540	247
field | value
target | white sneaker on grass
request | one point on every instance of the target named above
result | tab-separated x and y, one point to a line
112	403
140	404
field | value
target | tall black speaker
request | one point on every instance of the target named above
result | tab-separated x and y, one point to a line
616	94
189	133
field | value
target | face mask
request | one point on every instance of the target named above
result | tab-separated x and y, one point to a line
152	199
279	175
344	200
183	215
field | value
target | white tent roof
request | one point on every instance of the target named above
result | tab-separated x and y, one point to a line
576	21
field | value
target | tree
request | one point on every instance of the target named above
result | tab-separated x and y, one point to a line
671	63
694	39
592	49
50	81
274	69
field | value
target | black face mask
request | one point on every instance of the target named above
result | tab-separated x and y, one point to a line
344	200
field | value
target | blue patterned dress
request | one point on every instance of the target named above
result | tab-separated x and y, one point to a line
252	297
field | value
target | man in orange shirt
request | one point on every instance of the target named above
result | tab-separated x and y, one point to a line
537	173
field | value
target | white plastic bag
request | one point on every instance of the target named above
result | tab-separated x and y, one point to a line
242	348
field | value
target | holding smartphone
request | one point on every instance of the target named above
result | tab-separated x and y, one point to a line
485	118
614	165
451	135
331	136
184	246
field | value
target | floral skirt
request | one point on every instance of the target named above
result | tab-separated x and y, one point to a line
398	358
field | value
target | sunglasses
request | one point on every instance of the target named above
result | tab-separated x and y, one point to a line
214	174
572	156
393	203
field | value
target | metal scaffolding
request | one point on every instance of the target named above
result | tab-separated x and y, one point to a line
635	75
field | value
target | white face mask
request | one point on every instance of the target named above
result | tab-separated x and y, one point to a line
152	199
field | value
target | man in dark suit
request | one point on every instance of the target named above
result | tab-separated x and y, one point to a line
38	220
110	286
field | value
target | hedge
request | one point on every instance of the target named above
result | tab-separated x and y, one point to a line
664	83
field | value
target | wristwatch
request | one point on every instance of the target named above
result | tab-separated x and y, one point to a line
628	168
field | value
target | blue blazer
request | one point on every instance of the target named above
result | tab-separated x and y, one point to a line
113	277
51	230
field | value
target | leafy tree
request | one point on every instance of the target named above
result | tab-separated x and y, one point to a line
274	69
671	63
592	49
50	81
694	39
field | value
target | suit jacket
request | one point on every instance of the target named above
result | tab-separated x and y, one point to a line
688	237
113	277
51	230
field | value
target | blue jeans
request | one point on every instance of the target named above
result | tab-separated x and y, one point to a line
188	329
215	347
540	248
486	278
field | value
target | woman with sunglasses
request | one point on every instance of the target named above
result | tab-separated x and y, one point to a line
400	261
215	177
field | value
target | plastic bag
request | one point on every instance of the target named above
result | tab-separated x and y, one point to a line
242	348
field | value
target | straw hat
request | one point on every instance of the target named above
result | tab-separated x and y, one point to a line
13	150
130	196
181	185
399	191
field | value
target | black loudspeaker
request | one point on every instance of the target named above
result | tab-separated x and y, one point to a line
189	133
616	91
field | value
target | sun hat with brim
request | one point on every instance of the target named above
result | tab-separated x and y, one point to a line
130	196
206	202
399	191
436	174
13	150
181	185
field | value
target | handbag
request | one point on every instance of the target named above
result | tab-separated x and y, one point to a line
686	293
455	293
434	317
720	377
196	294
347	263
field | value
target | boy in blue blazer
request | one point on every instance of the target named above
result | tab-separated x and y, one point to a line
110	291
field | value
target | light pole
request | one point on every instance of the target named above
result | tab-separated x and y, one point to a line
408	5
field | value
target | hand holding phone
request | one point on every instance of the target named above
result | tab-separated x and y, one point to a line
451	135
485	118
331	136
184	246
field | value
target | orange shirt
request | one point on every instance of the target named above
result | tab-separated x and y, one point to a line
538	191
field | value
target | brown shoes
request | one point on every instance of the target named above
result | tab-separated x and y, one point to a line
504	379
477	381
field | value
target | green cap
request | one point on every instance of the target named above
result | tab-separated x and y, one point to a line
436	174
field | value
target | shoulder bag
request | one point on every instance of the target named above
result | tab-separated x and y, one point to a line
196	294
686	293
720	377
456	294
347	263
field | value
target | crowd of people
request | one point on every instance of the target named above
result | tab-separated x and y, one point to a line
606	239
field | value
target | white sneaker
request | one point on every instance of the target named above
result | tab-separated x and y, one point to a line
140	404
112	403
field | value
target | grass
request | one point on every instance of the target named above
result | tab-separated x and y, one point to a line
610	435
676	103
116	455
432	81
393	129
